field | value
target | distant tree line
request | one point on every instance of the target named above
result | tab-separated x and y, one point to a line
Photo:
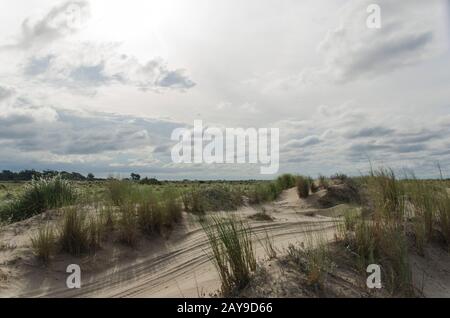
27	175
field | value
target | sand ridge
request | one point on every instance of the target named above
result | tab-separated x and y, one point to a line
175	267
179	265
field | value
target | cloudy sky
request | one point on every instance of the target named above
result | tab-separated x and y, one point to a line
98	86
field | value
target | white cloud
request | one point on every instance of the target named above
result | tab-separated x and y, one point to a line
89	65
53	57
352	49
343	140
57	23
81	97
410	34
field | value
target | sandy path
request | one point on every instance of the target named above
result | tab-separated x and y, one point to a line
177	267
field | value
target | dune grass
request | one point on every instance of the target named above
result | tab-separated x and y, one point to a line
394	211
270	191
312	185
400	217
97	226
82	231
232	252
323	182
155	214
443	216
127	224
120	191
141	210
303	186
312	258
44	243
171	206
150	216
286	181
74	233
267	242
382	237
200	199
193	202
264	192
39	196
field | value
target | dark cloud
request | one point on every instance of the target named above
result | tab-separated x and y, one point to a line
405	38
304	142
409	148
176	79
38	65
377	131
393	53
419	137
163	148
367	147
5	92
89	74
7	121
73	134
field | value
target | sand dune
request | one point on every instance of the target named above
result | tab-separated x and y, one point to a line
175	267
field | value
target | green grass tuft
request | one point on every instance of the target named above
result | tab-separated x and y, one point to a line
39	196
232	252
303	187
43	243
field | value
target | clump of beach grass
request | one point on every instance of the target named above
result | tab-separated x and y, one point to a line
381	238
443	216
172	210
313	258
200	199
286	181
193	202
74	234
127	223
39	196
97	227
267	242
120	191
312	185
303	187
43	243
264	192
150	216
323	182
232	252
